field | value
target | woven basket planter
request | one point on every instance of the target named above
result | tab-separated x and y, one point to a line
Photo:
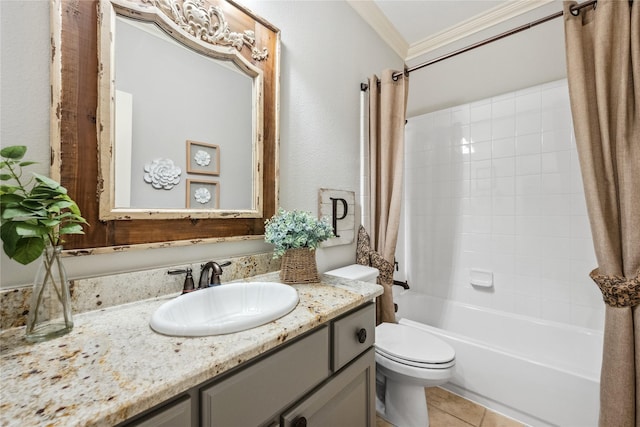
299	266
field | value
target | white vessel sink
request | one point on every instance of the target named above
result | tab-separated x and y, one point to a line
224	309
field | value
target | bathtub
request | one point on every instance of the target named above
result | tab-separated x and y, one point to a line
538	372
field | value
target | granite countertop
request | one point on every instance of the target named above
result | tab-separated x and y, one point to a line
112	366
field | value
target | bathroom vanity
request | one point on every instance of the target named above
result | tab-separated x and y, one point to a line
314	366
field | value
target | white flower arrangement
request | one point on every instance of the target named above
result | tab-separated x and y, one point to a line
296	229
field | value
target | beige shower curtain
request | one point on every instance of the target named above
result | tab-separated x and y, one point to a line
603	64
387	113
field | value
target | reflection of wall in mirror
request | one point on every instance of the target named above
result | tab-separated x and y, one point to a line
177	96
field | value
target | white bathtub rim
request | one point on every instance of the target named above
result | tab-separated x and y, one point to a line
591	376
536	320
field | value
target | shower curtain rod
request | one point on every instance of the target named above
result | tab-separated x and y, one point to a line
575	10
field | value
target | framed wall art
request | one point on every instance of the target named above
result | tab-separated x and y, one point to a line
203	194
203	158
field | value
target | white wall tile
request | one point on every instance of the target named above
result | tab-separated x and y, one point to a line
503	107
557	139
503	127
528	122
480	131
530	101
528	164
528	144
498	187
503	167
480	111
504	147
555	161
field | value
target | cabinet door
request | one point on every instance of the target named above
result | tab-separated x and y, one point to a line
257	394
347	400
172	415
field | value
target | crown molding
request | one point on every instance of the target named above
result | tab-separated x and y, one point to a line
372	15
494	16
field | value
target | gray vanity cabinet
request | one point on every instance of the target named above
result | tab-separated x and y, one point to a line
257	393
346	400
324	378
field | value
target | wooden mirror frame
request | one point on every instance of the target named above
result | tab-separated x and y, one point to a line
74	136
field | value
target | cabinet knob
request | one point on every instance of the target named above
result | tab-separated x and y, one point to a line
300	422
362	335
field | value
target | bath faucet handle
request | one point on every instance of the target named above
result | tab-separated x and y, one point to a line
216	271
188	281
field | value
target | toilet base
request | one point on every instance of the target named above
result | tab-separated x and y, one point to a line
405	405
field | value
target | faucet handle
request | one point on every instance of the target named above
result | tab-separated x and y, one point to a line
188	281
216	272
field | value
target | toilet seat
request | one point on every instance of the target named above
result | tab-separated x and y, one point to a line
413	347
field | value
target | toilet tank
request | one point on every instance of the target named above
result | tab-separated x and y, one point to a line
356	272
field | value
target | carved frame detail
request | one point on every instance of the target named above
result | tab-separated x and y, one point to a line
208	25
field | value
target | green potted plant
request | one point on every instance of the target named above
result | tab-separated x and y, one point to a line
296	235
36	213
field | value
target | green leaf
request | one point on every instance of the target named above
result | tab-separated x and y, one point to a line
9	237
71	229
32	205
50	223
5	177
10	199
15	152
24	229
7	189
28	250
23	164
16	213
51	183
59	205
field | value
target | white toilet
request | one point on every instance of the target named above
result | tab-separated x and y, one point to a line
407	360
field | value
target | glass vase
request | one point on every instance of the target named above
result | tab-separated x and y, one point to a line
50	310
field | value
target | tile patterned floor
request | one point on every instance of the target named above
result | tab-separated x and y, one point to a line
450	410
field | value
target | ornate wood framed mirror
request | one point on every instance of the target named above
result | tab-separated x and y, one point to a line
86	112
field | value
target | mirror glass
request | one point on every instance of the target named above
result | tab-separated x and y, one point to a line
180	115
184	125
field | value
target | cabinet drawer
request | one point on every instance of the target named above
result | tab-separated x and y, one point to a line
254	395
352	334
346	400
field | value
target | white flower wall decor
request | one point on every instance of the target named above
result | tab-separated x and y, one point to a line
202	158
202	195
162	174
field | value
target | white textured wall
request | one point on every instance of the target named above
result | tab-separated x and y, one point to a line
495	185
327	50
24	89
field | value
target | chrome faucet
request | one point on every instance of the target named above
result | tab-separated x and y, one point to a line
213	279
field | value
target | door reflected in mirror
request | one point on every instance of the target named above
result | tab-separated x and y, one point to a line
166	97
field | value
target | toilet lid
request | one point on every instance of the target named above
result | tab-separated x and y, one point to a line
412	345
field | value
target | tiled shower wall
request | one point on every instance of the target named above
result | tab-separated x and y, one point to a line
495	185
